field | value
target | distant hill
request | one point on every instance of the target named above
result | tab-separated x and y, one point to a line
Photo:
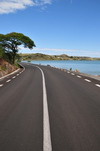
39	56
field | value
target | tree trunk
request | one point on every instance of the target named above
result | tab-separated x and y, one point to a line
13	58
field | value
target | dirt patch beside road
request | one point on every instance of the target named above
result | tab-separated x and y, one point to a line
5	67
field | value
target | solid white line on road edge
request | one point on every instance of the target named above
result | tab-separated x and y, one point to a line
22	67
9	74
78	76
87	80
46	125
13	72
8	80
98	85
1	85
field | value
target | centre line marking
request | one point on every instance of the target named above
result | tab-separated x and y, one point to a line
87	80
47	146
8	80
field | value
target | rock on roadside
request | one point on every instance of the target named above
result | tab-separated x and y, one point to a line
76	70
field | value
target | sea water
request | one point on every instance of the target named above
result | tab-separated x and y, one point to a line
89	67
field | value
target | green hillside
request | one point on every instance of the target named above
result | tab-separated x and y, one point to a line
39	56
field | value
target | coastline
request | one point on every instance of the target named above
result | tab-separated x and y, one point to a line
85	67
96	77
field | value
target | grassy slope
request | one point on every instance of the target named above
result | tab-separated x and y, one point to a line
39	56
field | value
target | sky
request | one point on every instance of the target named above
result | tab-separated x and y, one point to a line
57	27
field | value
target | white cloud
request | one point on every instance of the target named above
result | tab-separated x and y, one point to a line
9	6
51	49
61	51
46	1
71	1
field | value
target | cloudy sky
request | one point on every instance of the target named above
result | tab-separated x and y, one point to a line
69	27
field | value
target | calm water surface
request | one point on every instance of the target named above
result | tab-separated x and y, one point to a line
89	67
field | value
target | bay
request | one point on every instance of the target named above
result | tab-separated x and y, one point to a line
88	67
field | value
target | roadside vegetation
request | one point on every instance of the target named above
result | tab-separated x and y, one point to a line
9	45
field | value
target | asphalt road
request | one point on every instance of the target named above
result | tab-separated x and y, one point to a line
73	108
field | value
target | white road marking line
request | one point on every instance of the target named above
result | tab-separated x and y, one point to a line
14	77
1	85
72	74
9	74
17	74
98	85
22	66
46	125
8	80
79	76
68	72
87	80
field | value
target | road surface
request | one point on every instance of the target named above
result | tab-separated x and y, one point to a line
46	109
